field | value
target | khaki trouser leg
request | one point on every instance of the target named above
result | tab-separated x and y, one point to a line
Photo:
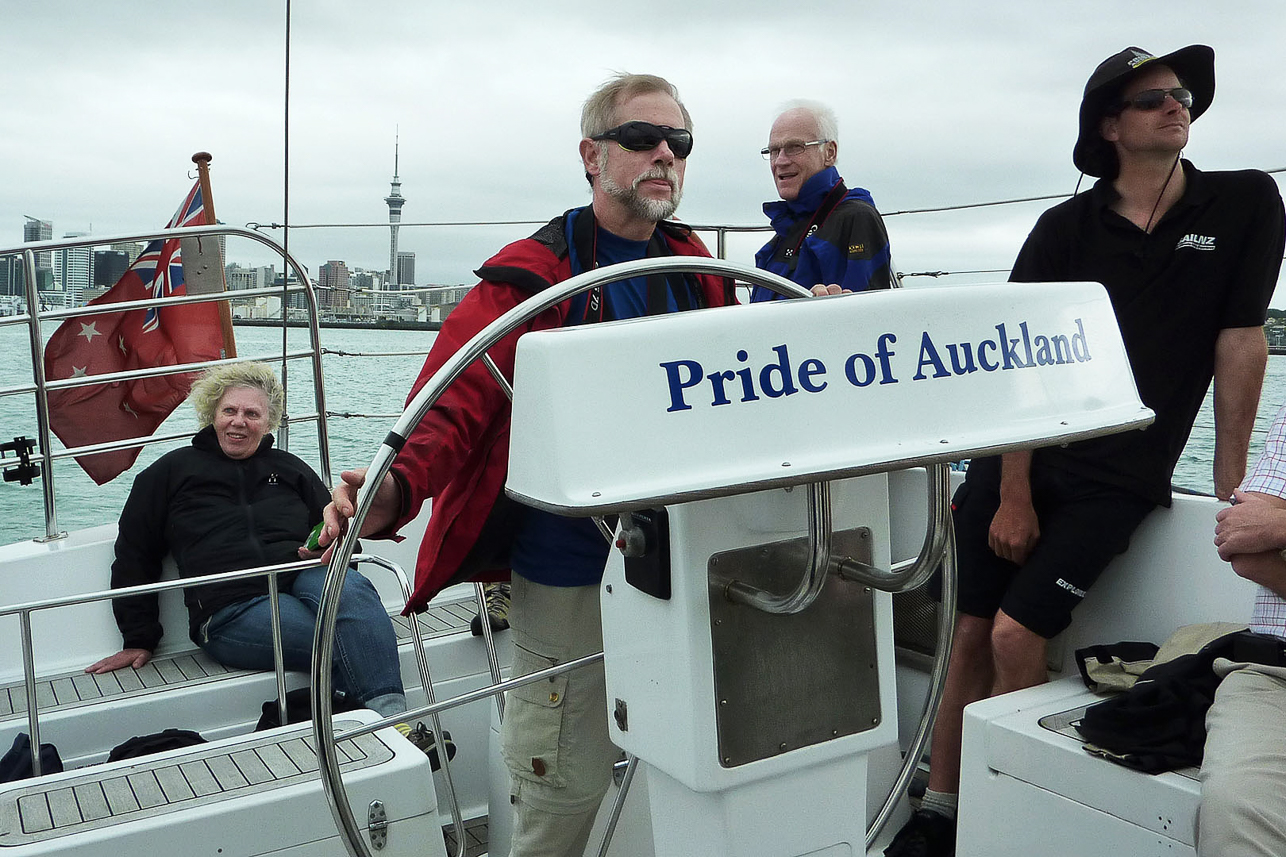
1243	775
555	735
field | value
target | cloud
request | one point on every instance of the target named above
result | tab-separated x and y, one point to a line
939	103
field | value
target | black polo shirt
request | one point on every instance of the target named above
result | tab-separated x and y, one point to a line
1210	263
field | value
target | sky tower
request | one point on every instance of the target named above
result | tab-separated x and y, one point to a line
395	202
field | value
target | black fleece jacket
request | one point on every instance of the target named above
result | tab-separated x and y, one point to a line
213	513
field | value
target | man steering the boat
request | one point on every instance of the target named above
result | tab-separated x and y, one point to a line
825	232
1190	260
635	140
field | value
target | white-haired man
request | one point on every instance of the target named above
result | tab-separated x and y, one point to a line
825	232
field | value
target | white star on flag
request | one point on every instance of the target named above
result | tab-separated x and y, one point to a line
79	371
127	409
120	341
89	331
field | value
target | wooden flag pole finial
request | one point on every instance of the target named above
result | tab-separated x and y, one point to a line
202	161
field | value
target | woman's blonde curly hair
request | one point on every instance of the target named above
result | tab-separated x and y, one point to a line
214	383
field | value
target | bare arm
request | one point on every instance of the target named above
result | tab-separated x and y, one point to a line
1241	354
1268	569
1256	523
1014	529
1251	534
343	505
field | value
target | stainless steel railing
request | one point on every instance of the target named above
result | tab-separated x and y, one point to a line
42	386
24	610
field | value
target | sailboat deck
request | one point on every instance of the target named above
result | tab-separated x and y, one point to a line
190	668
155	787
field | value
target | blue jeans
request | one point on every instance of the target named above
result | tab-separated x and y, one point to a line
365	647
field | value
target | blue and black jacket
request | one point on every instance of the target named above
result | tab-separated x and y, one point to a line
828	234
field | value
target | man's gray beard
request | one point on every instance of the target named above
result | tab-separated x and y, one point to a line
642	206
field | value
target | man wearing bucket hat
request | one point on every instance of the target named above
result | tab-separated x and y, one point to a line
1189	260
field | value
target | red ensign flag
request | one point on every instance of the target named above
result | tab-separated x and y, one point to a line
138	339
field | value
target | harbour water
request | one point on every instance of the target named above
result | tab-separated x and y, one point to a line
353	385
371	385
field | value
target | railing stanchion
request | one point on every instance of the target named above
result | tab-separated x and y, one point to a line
29	680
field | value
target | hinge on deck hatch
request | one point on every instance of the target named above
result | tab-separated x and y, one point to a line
24	472
377	825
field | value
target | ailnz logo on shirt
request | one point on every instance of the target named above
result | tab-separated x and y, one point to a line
1193	241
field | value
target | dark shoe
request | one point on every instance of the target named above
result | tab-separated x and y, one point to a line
423	739
927	834
497	596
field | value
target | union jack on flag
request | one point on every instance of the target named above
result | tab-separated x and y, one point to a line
160	265
100	344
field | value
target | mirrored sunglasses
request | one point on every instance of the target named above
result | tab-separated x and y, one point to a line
1152	99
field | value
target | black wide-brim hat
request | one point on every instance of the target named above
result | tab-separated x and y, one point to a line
1195	68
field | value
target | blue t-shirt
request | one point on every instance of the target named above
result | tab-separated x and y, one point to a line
552	549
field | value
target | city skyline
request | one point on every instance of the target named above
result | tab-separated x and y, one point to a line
940	105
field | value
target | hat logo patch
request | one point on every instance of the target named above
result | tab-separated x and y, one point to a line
1139	59
1193	241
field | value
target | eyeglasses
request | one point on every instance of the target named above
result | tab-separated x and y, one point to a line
1152	99
792	150
638	136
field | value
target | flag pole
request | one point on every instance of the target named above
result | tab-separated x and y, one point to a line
202	161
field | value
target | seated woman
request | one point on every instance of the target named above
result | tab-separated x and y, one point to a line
231	501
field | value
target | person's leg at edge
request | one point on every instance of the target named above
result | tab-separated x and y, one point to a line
555	737
930	832
1019	655
364	651
240	635
970	676
1243	811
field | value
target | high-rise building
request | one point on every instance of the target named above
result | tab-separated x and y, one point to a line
238	277
405	268
109	267
39	230
11	276
132	249
333	283
395	202
73	268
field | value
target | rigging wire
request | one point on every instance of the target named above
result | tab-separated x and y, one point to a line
339	352
274	225
285	212
953	273
473	223
969	205
480	223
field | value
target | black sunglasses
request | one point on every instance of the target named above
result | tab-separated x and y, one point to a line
1152	99
640	136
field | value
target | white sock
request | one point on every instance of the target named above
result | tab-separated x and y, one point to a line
943	803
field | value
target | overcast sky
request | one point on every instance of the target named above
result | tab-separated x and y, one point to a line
939	104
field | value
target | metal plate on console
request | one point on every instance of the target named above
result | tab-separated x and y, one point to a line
788	681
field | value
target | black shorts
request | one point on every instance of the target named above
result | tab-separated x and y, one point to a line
1083	525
